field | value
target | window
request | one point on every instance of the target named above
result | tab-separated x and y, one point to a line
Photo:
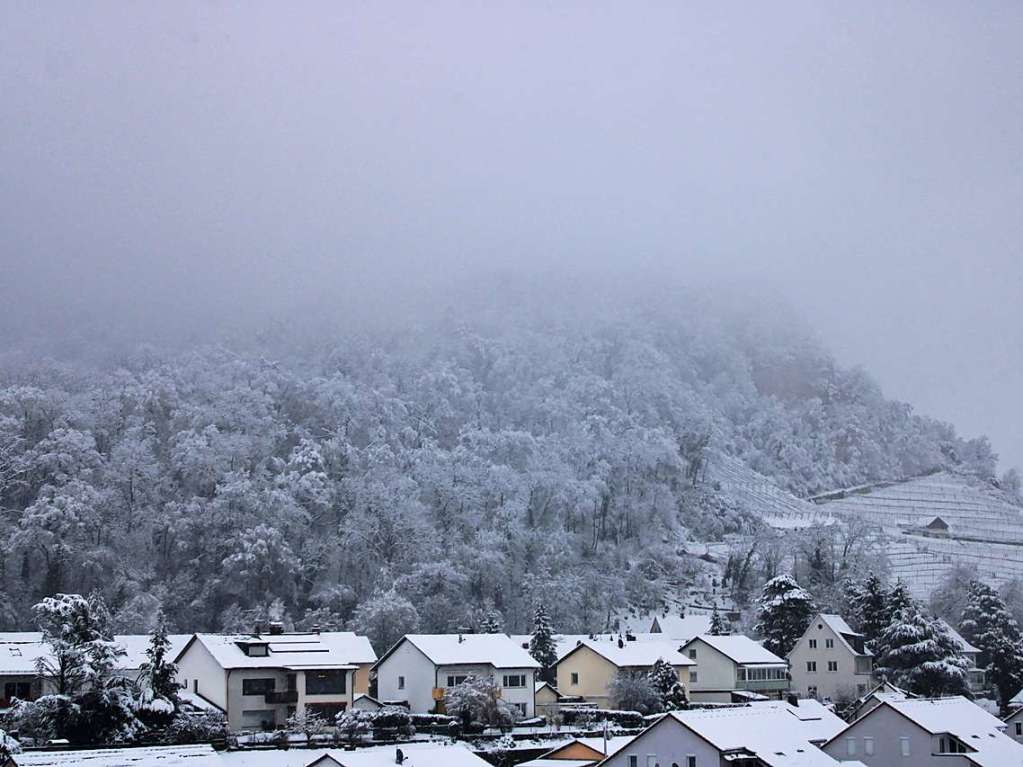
22	690
813	644
692	675
832	665
514	680
256	650
868	746
633	760
811	691
651	760
850	746
811	667
1019	728
521	708
829	644
691	760
326	682
575	677
904	745
454	681
257	686
692	654
401	683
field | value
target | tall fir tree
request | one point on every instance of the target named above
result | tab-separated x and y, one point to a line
783	613
158	673
918	654
719	625
987	624
541	644
664	679
868	606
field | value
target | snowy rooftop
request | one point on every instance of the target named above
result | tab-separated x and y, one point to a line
497	650
20	649
838	624
639	654
778	734
741	649
430	755
147	756
328	649
684	629
968	722
551	759
818	723
565	643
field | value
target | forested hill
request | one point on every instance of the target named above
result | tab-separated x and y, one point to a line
479	460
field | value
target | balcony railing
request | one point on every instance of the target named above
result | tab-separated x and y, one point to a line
762	684
282	696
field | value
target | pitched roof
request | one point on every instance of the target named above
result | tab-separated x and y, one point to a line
966	721
197	755
838	625
636	654
415	756
20	649
779	734
740	649
328	649
677	627
565	643
958	638
497	650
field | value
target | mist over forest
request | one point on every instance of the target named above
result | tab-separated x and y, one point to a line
530	440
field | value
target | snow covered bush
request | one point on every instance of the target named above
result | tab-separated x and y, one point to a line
635	692
196	728
477	700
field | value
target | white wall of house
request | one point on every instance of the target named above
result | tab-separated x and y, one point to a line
1014	726
884	732
407	674
816	681
715	673
198	671
666	743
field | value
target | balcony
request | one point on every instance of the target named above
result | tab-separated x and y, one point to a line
762	685
282	696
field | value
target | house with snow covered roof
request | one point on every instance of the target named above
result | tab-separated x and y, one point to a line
734	668
420	668
874	697
408	754
952	732
258	680
20	650
830	661
580	752
195	755
589	668
773	735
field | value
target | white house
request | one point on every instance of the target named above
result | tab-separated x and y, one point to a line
420	668
951	732
757	735
1014	725
259	680
830	661
733	668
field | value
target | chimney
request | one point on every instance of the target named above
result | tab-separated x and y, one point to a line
793	700
276	628
399	757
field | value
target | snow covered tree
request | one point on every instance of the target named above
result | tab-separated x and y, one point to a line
918	654
783	613
477	700
81	650
310	723
491	623
899	599
664	679
634	692
354	724
989	626
867	600
719	625
158	688
385	618
541	644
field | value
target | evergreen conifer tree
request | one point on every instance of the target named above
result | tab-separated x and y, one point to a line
783	613
918	654
987	624
541	644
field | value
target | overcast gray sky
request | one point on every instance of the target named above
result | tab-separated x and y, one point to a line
864	158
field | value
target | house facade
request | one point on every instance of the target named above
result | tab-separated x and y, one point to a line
952	732
420	668
589	668
830	661
730	668
259	680
976	678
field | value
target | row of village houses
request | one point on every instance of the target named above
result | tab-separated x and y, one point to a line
259	679
892	731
